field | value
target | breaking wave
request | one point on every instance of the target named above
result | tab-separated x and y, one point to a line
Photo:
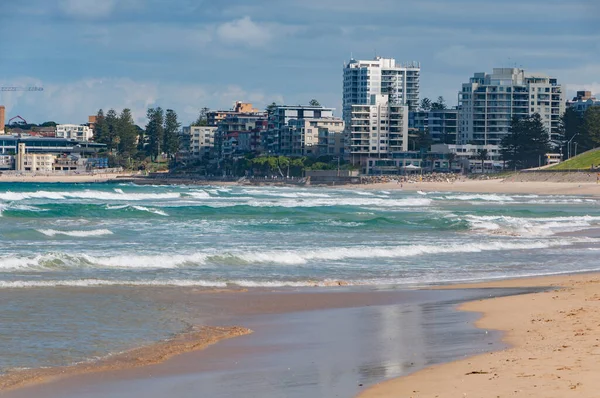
53	261
88	194
531	226
78	234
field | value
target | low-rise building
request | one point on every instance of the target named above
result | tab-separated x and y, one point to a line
214	118
583	101
7	162
74	132
469	156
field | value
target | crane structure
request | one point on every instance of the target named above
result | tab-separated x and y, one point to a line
14	88
23	121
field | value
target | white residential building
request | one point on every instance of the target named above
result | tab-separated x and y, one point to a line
74	132
317	136
380	76
285	125
377	130
202	139
489	102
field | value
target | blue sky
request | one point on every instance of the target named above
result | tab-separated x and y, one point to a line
187	54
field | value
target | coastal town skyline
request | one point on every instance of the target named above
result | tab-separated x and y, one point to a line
139	54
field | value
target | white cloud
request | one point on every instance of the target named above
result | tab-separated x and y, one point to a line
244	31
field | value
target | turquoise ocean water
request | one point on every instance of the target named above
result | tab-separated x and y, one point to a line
85	238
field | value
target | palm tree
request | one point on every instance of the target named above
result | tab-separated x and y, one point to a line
482	155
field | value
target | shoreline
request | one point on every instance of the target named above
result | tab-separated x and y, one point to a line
551	345
200	338
152	354
492	186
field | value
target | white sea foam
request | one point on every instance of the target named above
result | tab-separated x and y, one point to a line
119	190
149	210
376	202
483	197
52	261
532	226
78	234
88	194
199	194
104	282
23	284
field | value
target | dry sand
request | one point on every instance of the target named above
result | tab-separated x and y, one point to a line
555	340
493	186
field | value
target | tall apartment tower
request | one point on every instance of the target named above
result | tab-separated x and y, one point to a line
380	76
2	118
488	103
377	130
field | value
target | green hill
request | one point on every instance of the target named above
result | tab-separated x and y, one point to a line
580	162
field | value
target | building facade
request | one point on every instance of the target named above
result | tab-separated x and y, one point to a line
441	124
582	102
380	76
214	118
74	132
488	102
377	130
202	140
286	125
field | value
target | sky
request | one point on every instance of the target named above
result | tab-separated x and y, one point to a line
189	54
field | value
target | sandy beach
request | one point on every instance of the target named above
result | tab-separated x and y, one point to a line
555	350
498	186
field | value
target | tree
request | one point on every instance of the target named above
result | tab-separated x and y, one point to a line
100	127
171	133
591	124
425	104
111	137
202	117
155	131
424	140
509	146
527	143
573	131
314	102
482	155
127	133
271	108
440	104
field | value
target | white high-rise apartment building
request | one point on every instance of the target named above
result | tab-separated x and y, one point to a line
380	76
378	130
488	103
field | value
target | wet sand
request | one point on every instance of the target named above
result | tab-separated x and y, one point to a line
317	344
554	346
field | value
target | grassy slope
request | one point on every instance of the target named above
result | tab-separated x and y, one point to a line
580	162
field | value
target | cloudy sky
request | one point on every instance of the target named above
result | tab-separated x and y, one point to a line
188	54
